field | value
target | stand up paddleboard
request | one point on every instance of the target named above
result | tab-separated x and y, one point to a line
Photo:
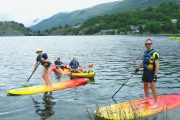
44	88
138	108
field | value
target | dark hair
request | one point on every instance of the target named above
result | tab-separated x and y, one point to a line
149	40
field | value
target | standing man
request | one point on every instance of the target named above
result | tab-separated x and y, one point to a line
43	59
150	63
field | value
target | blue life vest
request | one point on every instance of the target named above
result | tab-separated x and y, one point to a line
148	61
74	64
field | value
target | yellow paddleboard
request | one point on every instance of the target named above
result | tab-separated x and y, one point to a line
44	88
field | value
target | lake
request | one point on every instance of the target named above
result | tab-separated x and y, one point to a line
114	58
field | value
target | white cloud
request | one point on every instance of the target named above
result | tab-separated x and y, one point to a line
25	11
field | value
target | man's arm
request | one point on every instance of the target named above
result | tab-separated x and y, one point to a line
71	64
139	66
157	67
156	57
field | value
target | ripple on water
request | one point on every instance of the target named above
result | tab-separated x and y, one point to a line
114	59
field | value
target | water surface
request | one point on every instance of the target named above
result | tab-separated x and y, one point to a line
114	59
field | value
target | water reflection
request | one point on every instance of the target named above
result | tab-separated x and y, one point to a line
58	77
45	109
91	81
114	59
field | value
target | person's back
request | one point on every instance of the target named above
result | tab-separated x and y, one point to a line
58	63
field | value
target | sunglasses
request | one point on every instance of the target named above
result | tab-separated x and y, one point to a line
148	44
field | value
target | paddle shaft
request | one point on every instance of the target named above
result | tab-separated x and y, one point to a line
32	73
122	86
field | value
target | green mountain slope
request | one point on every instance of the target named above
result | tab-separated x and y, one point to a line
162	19
80	16
11	28
150	20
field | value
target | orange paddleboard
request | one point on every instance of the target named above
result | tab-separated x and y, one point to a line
138	108
44	88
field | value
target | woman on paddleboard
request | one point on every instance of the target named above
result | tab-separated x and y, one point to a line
42	59
150	63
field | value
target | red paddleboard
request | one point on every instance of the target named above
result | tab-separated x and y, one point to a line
138	108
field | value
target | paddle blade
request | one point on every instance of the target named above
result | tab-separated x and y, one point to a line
90	65
26	85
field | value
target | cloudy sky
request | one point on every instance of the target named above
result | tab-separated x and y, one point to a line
26	11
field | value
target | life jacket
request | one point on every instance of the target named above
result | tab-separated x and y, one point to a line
58	63
148	61
45	64
75	64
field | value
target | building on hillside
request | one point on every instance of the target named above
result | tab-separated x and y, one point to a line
137	28
76	26
109	32
174	21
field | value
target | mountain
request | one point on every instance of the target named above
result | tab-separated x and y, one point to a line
79	16
162	19
74	17
10	28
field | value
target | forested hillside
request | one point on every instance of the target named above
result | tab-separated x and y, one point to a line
10	28
79	16
151	20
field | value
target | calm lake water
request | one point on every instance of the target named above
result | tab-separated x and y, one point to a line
114	59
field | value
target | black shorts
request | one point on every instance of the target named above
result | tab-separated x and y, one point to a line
46	64
148	76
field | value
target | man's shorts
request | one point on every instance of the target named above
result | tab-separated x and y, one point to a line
148	76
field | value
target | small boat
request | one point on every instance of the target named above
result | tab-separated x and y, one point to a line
85	74
174	38
89	74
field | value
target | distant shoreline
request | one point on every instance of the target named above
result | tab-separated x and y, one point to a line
96	35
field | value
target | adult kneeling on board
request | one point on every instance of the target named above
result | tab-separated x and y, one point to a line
150	63
43	59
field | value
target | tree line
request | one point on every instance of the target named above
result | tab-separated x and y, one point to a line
164	19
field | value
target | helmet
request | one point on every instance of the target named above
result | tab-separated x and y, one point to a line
39	50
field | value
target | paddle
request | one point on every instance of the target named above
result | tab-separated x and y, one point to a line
122	86
90	65
32	73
